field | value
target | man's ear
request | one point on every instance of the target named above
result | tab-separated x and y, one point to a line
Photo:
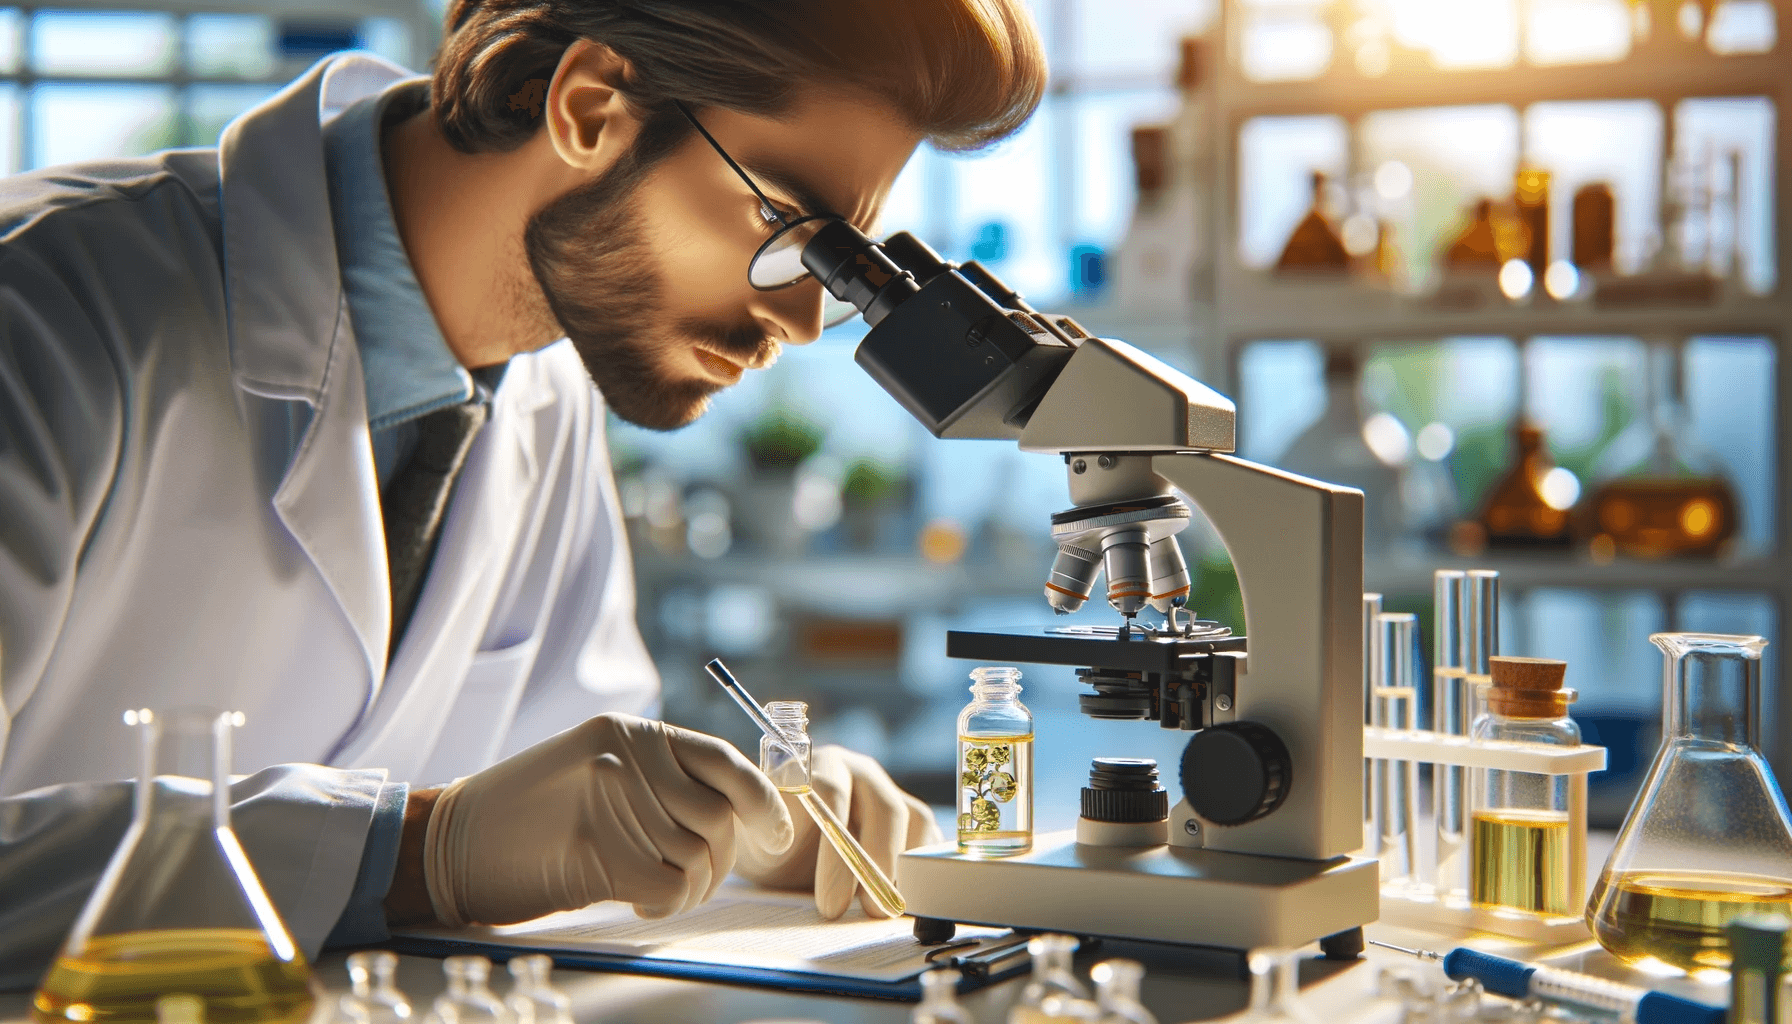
587	116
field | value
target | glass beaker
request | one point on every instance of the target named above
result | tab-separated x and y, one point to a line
995	766
179	909
1708	838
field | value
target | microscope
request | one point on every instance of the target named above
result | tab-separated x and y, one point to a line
1257	852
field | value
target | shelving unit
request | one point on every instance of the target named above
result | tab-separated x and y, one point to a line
1249	305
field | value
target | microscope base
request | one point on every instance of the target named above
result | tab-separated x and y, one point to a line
1159	893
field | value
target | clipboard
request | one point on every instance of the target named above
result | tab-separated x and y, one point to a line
743	936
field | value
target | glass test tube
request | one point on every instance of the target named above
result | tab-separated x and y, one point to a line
1449	715
1480	637
1397	782
1371	672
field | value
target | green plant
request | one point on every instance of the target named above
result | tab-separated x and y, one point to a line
781	438
870	481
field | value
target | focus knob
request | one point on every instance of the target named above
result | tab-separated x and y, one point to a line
1235	772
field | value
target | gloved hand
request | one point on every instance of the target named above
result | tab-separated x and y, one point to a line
886	821
617	807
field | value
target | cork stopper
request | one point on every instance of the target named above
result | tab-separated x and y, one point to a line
1528	687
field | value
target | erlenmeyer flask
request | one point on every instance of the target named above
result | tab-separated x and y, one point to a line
1708	838
179	909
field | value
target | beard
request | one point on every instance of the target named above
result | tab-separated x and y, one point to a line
590	256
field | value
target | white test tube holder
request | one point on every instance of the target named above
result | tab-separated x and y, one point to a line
1404	901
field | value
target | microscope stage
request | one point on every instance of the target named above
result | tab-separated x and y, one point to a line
1139	653
1157	893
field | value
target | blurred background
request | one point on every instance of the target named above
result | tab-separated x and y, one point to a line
1510	266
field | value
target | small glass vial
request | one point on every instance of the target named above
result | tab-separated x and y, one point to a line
533	997
995	766
1053	993
469	999
1525	846
1117	992
370	975
789	774
939	999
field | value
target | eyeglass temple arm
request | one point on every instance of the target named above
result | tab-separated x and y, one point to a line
738	169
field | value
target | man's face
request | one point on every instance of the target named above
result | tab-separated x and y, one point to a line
646	270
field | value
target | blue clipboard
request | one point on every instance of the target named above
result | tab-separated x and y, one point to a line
983	963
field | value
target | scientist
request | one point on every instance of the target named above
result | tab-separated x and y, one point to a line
305	426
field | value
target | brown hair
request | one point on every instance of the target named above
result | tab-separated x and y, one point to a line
964	73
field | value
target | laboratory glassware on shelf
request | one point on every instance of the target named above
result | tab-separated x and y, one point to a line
1053	993
178	908
1314	247
1708	838
533	997
1117	992
373	988
469	998
1525	845
1666	497
939	999
1334	448
995	766
1522	509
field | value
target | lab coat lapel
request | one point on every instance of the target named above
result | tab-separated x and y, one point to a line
290	336
495	490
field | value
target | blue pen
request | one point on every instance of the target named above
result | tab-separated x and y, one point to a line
1517	980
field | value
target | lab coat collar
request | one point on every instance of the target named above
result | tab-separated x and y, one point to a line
283	286
290	338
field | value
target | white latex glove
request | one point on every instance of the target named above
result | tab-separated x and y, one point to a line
885	819
616	808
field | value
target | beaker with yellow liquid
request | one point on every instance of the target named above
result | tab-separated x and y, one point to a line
179	910
1709	838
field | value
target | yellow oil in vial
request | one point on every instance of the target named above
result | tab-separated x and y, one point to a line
232	971
995	794
1520	860
1678	917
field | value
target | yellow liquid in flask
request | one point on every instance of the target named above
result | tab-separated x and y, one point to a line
1678	917
1520	860
118	978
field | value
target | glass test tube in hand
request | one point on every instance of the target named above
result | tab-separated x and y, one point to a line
784	757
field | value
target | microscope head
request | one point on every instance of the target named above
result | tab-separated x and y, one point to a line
968	357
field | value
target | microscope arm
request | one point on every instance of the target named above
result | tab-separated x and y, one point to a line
1297	547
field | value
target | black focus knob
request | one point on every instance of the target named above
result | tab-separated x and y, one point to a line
1124	789
1235	772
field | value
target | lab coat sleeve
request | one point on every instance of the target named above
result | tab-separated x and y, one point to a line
61	427
303	827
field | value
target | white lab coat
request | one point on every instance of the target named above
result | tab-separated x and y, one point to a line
189	512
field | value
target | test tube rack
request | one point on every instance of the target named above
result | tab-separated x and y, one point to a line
1420	899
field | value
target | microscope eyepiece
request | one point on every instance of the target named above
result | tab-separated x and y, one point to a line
854	268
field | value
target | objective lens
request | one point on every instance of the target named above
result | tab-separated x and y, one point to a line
1072	577
1124	556
1169	575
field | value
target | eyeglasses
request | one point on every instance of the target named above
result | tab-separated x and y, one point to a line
779	261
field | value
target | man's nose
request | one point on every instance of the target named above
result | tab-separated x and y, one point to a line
791	315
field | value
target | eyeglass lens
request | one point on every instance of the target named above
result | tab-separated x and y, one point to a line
779	264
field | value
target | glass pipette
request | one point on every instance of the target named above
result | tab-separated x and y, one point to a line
876	884
1517	980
